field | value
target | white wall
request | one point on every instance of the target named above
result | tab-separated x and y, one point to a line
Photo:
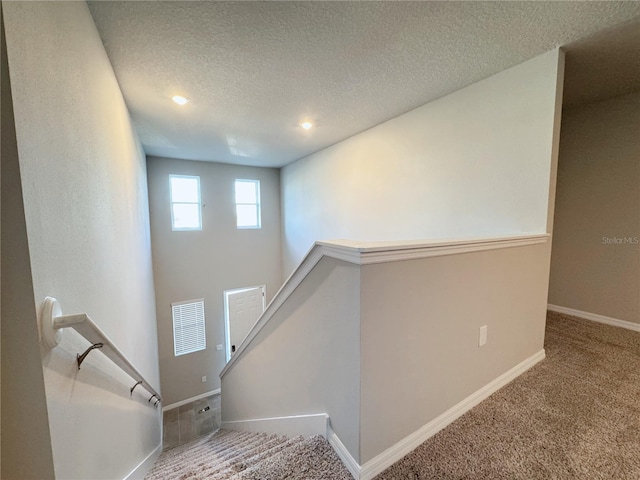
25	424
476	162
85	200
306	360
595	261
202	264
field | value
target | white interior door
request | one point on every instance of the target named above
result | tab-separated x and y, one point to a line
243	307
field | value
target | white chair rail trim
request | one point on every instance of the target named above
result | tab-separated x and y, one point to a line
366	253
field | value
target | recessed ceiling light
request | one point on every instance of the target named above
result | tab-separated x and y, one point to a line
306	125
180	100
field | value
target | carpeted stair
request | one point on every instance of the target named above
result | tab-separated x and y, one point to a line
230	455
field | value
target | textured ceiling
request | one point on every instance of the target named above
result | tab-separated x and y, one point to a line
253	70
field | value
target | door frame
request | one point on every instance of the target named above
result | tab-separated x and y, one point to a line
225	294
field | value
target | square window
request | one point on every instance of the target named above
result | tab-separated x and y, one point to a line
246	192
185	189
247	216
186	216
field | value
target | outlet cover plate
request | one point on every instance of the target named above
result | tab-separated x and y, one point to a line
482	339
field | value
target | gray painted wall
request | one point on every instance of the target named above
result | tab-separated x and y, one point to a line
202	264
474	163
598	200
306	360
86	213
420	328
386	348
8	119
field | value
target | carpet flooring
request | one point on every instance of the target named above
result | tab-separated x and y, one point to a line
575	415
229	455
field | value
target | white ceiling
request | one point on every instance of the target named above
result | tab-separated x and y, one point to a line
254	70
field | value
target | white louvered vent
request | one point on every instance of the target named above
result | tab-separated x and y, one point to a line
188	326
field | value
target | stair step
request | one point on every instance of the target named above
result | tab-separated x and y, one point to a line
232	455
313	458
254	456
173	459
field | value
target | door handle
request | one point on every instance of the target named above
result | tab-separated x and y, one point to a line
233	348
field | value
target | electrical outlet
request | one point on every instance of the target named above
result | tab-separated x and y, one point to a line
482	340
204	379
219	347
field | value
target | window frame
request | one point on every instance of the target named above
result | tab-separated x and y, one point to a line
257	205
172	203
200	347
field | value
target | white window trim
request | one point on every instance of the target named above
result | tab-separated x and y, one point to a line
257	204
172	203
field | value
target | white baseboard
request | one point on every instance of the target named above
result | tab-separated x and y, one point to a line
595	317
145	465
394	453
308	425
352	465
305	425
192	399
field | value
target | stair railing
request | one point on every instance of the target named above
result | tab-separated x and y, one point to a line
53	325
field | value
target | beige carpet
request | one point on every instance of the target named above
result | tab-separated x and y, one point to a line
228	455
576	415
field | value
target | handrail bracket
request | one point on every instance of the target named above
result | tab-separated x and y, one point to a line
134	387
87	352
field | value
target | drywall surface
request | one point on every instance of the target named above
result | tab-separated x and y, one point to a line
420	330
8	118
85	202
25	424
202	264
595	260
474	163
306	360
